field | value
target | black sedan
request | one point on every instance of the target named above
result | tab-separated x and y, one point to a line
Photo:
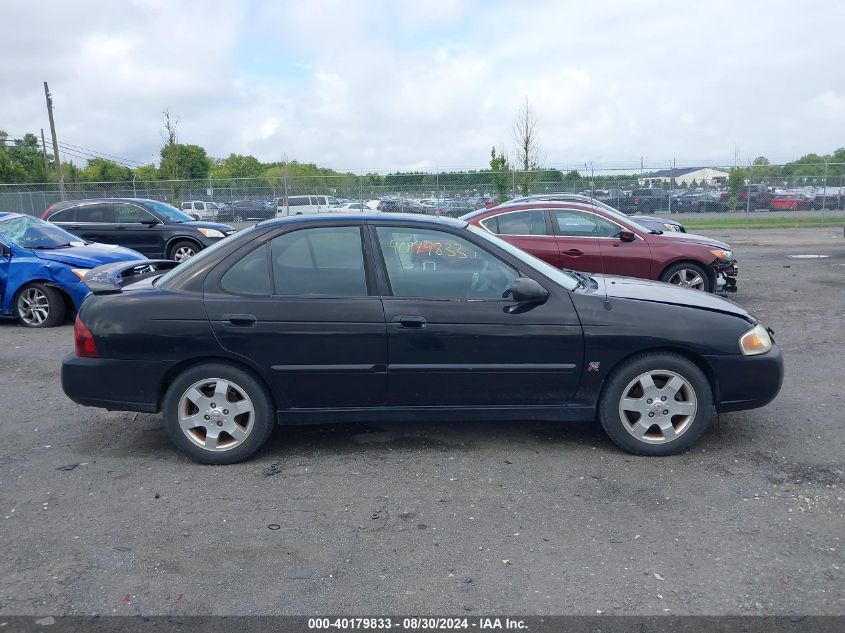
243	210
152	228
405	317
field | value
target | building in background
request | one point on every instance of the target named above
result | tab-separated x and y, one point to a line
686	176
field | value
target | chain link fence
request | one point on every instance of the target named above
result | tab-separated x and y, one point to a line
668	191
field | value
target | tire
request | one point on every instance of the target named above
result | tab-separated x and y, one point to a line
239	435
237	218
182	250
39	305
624	404
687	275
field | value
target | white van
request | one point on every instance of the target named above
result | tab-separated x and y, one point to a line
297	205
200	210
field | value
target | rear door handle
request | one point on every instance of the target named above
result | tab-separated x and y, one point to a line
411	322
574	252
240	320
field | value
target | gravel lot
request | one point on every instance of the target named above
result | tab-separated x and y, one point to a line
101	515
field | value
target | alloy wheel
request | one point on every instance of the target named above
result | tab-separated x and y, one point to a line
687	278
183	252
33	306
216	414
658	406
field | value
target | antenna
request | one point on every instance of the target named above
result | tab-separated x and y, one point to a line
607	305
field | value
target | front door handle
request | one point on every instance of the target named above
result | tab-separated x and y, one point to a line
410	322
240	320
574	252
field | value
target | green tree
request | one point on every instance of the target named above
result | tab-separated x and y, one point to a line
501	175
183	162
146	172
104	170
22	159
238	166
736	180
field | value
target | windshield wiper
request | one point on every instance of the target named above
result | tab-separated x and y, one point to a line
581	277
41	247
655	232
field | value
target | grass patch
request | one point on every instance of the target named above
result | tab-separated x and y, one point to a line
761	223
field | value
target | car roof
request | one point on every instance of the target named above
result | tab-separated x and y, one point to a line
67	203
382	218
11	214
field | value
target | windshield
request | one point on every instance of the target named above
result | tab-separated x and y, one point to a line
29	232
558	276
169	213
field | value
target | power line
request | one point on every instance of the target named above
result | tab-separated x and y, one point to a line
102	154
65	147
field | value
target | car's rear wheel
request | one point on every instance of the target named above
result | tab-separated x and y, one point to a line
238	217
39	305
183	250
656	404
687	275
218	414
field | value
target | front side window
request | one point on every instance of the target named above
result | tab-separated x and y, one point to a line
571	223
430	264
518	223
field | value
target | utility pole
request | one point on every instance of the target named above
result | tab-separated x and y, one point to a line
44	152
55	142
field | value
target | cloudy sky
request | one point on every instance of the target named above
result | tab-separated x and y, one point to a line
400	85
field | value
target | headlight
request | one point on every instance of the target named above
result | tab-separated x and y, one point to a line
79	272
755	341
725	256
211	232
672	227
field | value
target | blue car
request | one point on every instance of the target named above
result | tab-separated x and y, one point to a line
42	266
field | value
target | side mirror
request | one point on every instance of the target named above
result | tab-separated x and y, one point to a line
627	236
526	290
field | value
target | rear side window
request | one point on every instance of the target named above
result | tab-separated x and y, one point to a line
65	215
321	200
519	223
325	261
94	213
250	275
298	201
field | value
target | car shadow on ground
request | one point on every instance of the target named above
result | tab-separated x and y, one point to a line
143	436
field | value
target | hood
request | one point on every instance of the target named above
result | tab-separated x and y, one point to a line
199	224
692	237
651	218
88	255
659	292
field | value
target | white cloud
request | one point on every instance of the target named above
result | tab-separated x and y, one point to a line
422	84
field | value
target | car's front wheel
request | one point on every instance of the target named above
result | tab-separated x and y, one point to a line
183	250
218	413
687	275
656	404
40	305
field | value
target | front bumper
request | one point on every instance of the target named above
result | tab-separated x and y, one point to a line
727	272
747	382
116	385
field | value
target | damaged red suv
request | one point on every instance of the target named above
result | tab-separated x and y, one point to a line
591	237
